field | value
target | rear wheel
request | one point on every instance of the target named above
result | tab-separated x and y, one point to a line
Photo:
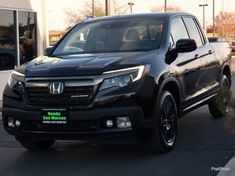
35	145
219	105
163	137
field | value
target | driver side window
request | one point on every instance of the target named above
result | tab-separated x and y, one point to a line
178	31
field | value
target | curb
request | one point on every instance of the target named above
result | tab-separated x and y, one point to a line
228	169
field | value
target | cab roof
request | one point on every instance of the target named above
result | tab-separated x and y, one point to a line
142	15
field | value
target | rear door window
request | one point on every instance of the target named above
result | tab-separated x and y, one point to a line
193	31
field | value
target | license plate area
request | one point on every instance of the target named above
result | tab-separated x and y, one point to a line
54	116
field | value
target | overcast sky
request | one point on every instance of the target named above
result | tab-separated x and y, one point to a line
57	18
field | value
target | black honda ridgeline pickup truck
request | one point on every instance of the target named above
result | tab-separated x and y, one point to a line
131	75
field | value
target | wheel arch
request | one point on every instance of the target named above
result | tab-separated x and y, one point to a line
226	71
172	85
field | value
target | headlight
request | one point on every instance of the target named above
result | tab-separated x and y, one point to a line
12	82
15	79
123	78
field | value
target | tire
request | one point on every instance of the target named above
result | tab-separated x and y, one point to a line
162	139
219	105
35	145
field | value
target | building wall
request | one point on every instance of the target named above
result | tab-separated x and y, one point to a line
31	5
37	6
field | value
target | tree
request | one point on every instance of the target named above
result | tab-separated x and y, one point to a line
74	17
225	25
169	9
119	9
99	9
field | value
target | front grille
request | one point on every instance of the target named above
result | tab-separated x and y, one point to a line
75	96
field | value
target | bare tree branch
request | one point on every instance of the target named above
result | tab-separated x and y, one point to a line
169	9
74	17
119	9
225	25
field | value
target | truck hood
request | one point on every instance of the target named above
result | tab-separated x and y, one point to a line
79	65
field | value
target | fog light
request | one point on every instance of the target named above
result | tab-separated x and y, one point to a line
11	122
17	123
123	122
109	123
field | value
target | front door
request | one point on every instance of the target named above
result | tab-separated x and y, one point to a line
187	64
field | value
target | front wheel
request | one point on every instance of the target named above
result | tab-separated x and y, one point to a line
219	105
163	137
34	145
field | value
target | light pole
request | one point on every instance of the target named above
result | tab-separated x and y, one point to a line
93	8
222	27
223	6
107	7
213	18
131	4
204	22
165	6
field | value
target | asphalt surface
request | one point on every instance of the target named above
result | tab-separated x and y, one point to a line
202	143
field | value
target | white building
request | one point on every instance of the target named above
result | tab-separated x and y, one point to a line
23	34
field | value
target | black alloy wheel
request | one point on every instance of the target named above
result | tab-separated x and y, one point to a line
163	138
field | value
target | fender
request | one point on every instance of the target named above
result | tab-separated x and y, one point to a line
163	83
225	64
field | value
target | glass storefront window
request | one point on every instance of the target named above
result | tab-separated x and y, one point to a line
7	40
8	43
27	34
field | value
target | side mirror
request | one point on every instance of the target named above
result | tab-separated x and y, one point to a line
48	51
182	46
185	45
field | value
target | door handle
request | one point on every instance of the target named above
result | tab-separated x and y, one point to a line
210	52
196	56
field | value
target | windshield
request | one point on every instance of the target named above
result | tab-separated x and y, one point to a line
140	34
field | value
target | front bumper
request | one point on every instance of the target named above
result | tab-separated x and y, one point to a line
81	124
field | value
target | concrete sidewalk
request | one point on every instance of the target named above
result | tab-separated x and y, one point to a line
228	169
